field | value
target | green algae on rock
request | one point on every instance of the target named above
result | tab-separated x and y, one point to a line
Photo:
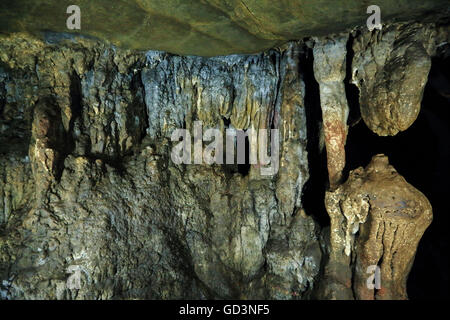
206	28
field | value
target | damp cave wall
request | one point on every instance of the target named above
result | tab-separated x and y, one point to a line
87	178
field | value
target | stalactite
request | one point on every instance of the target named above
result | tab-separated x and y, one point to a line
330	72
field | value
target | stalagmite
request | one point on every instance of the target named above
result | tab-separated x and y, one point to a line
377	220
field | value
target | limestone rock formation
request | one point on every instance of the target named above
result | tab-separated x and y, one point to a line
88	185
377	220
330	71
105	198
390	68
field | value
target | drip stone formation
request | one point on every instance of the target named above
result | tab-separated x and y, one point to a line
93	207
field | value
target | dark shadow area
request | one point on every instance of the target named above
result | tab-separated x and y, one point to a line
314	189
244	169
421	155
2	97
351	90
15	121
68	142
241	168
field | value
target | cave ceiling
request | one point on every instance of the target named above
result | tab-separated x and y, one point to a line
205	27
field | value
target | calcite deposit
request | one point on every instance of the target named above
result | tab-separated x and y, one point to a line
88	187
330	71
390	68
105	195
377	220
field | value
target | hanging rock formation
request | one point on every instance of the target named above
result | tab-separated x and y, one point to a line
330	71
390	68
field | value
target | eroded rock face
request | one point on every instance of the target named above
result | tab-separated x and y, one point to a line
87	183
95	189
377	220
390	67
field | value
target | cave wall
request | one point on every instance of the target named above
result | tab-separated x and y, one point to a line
87	179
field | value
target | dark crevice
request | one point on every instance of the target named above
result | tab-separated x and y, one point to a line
244	168
75	105
55	136
68	143
2	98
378	274
226	122
114	162
16	132
429	275
352	95
351	90
138	91
314	189
274	119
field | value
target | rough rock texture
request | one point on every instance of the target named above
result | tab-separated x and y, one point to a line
377	219
89	183
390	68
207	27
330	71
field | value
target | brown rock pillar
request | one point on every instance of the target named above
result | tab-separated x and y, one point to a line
329	71
377	221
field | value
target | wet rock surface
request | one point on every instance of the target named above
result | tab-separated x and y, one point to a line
97	191
87	183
